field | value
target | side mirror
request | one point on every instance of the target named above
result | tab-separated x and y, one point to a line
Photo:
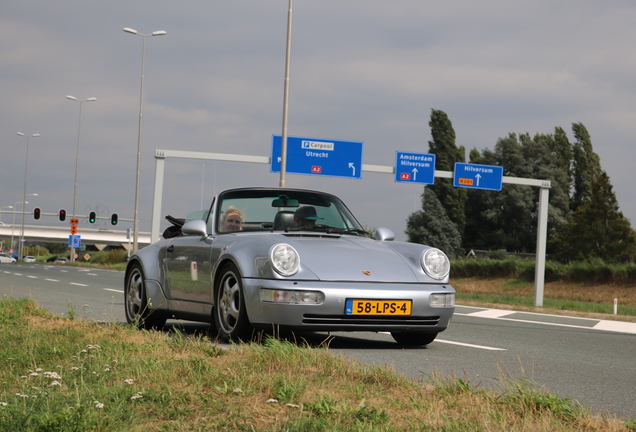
385	234
195	227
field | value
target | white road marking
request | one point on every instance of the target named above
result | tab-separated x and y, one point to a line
52	280
605	325
491	313
617	326
78	284
113	290
471	345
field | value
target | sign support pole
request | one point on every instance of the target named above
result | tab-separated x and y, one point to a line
283	164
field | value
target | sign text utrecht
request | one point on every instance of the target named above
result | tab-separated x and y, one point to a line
318	157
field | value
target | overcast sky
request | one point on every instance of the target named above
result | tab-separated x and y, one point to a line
362	70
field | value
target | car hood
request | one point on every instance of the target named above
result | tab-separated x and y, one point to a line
351	258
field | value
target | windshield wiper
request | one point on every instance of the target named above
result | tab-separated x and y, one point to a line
354	231
330	230
317	227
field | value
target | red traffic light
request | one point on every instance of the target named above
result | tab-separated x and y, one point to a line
62	215
36	213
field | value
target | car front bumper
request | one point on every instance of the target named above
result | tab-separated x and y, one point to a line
331	315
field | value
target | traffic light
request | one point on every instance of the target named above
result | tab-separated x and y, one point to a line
91	217
113	219
36	213
62	215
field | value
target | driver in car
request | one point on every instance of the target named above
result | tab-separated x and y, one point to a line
305	216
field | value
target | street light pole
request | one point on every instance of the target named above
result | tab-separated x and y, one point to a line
141	103
26	166
79	128
283	159
15	207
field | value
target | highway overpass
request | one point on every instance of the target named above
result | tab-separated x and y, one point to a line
89	236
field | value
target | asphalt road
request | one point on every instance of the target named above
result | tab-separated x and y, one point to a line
588	360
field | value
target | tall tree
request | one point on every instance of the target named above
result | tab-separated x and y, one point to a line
508	219
432	226
550	157
597	229
586	167
443	145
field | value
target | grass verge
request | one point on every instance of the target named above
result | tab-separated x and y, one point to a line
61	374
559	297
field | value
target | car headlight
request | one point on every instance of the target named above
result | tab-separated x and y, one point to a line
285	260
435	263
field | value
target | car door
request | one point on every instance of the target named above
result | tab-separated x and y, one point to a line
189	269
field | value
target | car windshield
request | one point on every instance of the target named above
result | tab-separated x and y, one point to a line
283	209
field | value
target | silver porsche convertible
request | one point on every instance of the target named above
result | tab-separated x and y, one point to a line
288	259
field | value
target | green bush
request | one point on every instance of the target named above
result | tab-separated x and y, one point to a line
109	258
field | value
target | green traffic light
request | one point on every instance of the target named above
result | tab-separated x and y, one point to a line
91	217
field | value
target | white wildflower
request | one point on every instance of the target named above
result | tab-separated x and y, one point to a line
272	400
4	404
53	375
56	383
98	405
137	395
128	381
238	390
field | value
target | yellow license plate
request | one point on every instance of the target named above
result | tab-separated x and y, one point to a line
378	307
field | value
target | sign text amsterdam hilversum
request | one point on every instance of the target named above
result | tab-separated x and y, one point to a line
414	168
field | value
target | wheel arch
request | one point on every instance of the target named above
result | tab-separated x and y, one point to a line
154	288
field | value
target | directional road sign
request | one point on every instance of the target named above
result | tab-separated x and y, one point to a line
315	156
478	176
75	240
414	168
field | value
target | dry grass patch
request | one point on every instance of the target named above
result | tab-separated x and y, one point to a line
116	378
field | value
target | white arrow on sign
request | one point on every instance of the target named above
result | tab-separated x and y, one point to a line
352	165
478	176
414	171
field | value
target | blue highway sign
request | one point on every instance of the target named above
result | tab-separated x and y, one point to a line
75	240
314	156
414	168
478	176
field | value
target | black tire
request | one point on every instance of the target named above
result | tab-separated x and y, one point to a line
408	338
138	311
229	314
